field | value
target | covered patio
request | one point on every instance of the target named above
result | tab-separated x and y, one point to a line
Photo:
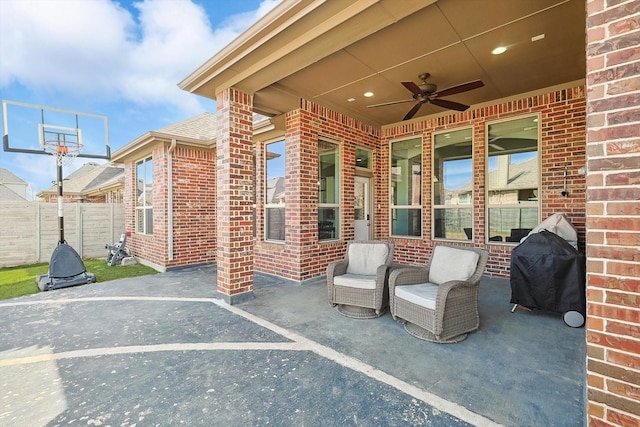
343	75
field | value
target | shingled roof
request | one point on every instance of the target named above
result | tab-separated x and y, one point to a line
88	177
202	126
8	180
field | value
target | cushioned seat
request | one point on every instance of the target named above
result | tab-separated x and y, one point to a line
439	302
357	285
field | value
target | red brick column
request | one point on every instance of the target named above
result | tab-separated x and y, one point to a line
234	195
613	213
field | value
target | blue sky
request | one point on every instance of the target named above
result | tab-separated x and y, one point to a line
120	59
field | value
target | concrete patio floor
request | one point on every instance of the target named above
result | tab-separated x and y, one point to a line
166	350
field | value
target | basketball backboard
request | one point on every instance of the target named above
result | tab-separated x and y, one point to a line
30	128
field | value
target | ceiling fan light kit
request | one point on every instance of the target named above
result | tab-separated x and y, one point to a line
427	92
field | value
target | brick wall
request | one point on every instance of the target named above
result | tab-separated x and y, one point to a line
302	257
235	195
562	122
150	249
613	207
194	208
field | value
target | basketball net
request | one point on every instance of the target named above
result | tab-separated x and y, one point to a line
63	151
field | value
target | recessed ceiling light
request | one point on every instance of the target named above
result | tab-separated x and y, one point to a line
538	37
368	94
351	99
499	50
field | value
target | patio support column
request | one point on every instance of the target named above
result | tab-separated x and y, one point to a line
234	198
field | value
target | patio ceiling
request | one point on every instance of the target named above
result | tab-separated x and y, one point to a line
332	52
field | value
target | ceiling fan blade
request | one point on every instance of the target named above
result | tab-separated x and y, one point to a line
449	104
413	111
391	103
460	88
414	88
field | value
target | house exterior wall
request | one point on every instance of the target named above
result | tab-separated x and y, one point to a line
301	256
194	208
613	207
562	144
149	249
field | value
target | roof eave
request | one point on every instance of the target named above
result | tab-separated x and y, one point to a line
144	144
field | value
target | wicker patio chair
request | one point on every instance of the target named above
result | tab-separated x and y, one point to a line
357	285
439	302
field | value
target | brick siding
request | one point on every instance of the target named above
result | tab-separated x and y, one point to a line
562	145
302	257
613	207
235	195
194	208
563	129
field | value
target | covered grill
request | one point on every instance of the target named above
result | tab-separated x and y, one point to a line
548	273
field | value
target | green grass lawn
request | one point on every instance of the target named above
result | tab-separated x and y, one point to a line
21	280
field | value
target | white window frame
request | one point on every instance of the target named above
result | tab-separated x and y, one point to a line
417	206
518	205
451	207
270	205
337	206
144	209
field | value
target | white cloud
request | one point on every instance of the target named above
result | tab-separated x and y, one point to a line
98	49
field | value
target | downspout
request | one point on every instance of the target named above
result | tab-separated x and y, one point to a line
172	147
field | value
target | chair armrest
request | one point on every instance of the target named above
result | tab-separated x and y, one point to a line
404	275
408	275
336	268
382	272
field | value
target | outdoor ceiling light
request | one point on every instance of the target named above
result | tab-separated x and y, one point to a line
498	50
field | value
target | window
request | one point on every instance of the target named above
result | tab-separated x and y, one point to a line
453	185
144	196
406	187
274	213
513	179
329	190
363	158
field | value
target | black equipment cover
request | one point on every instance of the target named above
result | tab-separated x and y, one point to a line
547	273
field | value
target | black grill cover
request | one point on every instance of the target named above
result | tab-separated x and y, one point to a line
547	273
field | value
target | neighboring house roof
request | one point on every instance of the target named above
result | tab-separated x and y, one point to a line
521	176
8	177
275	190
8	195
87	178
8	183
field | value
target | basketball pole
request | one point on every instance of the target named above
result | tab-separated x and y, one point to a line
60	201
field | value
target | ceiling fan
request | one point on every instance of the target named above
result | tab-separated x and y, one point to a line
428	92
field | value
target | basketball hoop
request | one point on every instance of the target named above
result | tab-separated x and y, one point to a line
64	151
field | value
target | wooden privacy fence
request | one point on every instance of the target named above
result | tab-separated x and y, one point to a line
29	230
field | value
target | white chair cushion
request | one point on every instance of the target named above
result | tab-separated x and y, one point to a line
422	294
365	258
449	263
359	281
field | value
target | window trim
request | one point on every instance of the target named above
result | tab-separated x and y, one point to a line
452	207
267	206
420	206
144	207
487	205
339	204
